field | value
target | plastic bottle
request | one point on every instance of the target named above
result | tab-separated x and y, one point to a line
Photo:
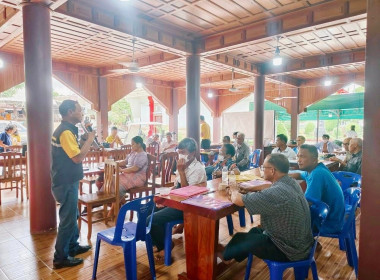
225	175
232	179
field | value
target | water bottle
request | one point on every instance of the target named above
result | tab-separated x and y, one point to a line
232	179
225	175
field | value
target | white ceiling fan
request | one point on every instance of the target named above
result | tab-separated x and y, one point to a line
282	97
130	67
233	88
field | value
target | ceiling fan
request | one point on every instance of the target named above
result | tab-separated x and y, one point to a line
130	67
233	88
282	97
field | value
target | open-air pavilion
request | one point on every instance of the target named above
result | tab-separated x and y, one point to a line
185	50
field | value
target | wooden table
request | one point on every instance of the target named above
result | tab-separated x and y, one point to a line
201	233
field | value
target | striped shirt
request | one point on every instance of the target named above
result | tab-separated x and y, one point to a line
285	217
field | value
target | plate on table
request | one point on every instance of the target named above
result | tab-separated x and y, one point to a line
86	169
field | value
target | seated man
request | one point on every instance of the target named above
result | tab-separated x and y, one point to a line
224	159
285	234
234	136
154	140
114	138
345	144
242	153
326	146
226	140
189	172
169	145
300	141
322	186
354	164
6	137
282	148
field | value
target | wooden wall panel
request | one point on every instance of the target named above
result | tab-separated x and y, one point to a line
87	86
163	95
226	101
11	76
117	88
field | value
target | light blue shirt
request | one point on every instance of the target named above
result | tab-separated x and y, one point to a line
322	186
331	146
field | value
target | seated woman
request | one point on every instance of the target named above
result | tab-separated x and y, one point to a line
189	172
133	169
224	159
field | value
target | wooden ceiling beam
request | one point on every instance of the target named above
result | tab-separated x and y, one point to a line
209	80
144	62
343	80
236	63
132	26
296	21
313	62
284	80
10	21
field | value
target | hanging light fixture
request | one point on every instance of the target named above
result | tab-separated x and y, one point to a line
277	59
327	81
1	63
210	94
139	85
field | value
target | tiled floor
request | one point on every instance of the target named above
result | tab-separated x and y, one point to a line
23	256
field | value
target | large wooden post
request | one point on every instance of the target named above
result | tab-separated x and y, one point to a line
102	115
193	97
259	98
39	107
294	114
369	267
173	118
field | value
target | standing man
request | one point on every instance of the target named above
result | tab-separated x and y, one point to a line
66	172
205	134
352	133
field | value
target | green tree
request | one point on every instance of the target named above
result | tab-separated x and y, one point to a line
119	112
282	129
12	91
309	128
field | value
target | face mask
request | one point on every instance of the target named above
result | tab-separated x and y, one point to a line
220	157
185	157
325	141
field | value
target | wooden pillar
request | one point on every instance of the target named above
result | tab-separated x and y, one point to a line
193	97
173	118
294	114
216	136
369	246
259	98
102	116
39	107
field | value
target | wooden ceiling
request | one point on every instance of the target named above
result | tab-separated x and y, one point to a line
84	36
206	17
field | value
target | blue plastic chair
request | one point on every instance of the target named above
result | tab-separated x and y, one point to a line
127	234
346	235
348	179
168	241
318	211
254	158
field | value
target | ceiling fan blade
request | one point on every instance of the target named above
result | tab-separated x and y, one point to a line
288	97
278	98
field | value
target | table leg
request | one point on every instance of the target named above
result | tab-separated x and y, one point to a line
201	239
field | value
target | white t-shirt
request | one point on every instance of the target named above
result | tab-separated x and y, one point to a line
288	152
351	134
165	144
195	174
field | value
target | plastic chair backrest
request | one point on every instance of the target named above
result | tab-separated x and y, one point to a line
167	164
318	213
144	207
92	157
256	158
346	179
352	196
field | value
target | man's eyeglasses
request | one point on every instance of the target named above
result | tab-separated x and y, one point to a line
345	144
